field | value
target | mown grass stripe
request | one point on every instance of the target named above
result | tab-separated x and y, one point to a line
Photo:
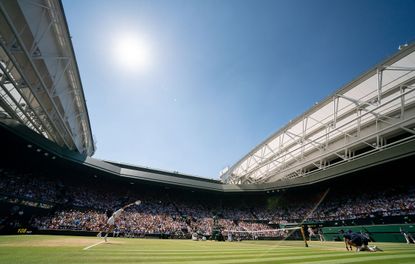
216	257
159	254
226	260
364	259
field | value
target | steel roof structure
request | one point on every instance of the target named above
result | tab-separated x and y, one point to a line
368	115
40	84
22	144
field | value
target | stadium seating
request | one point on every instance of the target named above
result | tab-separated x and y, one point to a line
80	205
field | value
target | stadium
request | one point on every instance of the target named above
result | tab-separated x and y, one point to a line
344	164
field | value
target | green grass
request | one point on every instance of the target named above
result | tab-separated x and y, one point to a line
71	249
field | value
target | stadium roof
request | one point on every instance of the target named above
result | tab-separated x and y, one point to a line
40	84
364	116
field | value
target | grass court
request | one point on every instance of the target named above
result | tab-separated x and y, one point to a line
72	249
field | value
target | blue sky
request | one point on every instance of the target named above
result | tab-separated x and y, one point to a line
220	76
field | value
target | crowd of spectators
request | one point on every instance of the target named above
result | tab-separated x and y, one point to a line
82	207
27	186
344	207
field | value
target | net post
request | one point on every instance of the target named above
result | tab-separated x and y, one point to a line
302	233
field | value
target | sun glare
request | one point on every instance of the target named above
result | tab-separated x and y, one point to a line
133	53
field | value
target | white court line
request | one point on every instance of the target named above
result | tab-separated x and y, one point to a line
96	244
187	250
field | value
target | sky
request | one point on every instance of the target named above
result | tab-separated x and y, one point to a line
192	86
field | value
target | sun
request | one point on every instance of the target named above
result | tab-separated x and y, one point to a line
133	53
